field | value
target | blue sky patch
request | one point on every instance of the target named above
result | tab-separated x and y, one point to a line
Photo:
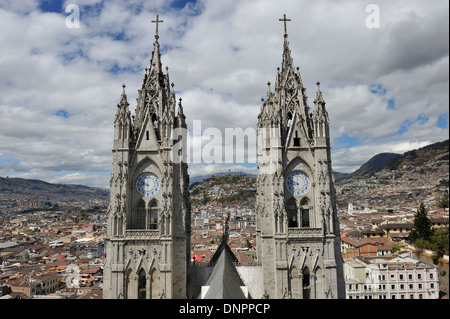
62	113
443	121
52	6
423	119
118	36
346	141
378	89
8	160
391	104
180	4
116	69
404	127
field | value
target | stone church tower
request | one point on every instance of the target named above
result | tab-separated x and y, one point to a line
298	238
148	239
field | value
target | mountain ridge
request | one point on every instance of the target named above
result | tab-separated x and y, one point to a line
20	187
393	161
33	189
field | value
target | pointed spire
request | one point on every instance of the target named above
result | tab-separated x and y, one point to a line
287	60
320	116
155	62
319	98
123	97
123	114
122	106
180	107
180	115
156	55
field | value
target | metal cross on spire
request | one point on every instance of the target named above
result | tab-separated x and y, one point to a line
157	21
285	27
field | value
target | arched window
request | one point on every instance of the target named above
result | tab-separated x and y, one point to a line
140	215
156	126
306	283
153	214
296	139
291	210
120	131
115	225
289	119
304	212
142	285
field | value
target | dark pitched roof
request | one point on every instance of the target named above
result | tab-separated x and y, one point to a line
223	246
224	281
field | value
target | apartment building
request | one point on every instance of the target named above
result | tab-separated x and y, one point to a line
390	277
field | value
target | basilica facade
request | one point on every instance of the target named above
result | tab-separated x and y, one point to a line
148	238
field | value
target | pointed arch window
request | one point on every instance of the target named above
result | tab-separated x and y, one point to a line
142	284
153	215
115	225
120	131
125	132
291	210
146	217
304	212
289	119
140	215
156	126
296	139
306	283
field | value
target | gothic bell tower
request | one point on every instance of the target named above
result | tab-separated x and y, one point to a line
298	238
148	237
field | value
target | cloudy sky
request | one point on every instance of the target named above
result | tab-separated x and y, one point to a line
386	86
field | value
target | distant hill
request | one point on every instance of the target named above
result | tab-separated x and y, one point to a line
338	175
224	189
196	179
375	164
421	156
392	161
36	190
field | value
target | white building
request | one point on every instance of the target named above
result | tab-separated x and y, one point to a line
401	277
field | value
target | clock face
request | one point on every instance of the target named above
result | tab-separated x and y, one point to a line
298	183
147	184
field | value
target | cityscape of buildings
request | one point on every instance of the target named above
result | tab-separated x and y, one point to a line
52	250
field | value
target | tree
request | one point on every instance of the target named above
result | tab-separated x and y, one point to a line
440	242
422	226
443	201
